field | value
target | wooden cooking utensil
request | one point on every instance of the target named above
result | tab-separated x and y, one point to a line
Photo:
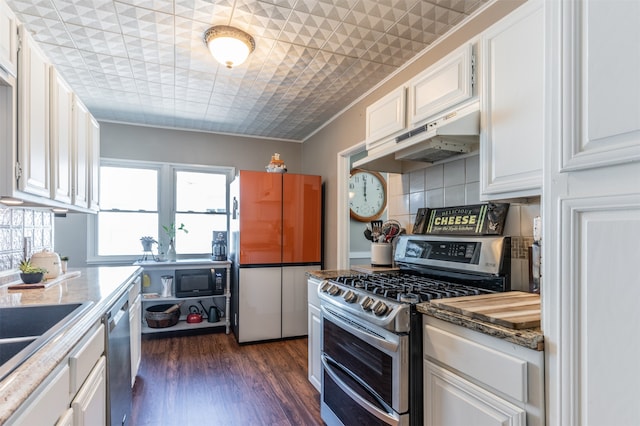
173	308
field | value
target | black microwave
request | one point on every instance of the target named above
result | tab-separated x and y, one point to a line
200	282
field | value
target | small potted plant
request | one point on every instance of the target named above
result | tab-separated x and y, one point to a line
30	274
63	263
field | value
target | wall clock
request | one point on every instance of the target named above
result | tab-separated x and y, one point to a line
367	195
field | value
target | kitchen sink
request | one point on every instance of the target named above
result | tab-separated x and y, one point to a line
25	329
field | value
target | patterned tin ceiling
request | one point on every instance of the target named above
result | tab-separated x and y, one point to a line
144	61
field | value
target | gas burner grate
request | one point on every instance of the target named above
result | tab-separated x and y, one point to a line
397	285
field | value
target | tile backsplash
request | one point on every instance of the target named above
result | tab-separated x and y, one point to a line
16	224
458	183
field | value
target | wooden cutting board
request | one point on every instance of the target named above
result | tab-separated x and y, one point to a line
513	309
19	285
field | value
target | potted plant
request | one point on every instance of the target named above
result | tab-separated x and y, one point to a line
170	230
63	263
30	274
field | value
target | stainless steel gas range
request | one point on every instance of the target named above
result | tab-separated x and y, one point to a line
371	331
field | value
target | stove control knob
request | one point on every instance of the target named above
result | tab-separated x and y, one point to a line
350	297
334	290
379	308
325	286
366	303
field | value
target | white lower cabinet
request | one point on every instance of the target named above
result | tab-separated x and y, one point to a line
455	401
50	401
66	419
471	378
135	320
259	311
89	405
76	393
314	324
271	303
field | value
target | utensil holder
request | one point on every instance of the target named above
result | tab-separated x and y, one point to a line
381	254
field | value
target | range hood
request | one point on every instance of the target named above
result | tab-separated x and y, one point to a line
450	135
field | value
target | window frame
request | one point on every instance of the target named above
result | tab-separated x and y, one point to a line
166	204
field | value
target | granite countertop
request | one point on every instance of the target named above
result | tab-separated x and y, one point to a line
100	285
531	338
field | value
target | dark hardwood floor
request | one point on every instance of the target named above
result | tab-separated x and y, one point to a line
209	379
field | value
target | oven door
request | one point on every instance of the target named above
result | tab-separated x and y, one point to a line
364	372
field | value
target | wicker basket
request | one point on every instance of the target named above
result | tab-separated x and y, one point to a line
157	318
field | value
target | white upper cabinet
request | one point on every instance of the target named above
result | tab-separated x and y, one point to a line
8	40
386	119
61	132
33	118
94	164
443	85
512	122
81	149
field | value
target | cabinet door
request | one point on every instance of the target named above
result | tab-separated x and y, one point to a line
260	217
33	118
94	164
591	212
302	219
443	85
315	328
8	40
61	137
450	400
386	118
512	104
81	154
259	304
135	321
294	300
90	403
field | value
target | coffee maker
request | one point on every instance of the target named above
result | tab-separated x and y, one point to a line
219	246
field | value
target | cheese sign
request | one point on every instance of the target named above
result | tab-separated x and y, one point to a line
479	219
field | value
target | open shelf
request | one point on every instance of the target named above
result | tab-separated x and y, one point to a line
178	299
183	326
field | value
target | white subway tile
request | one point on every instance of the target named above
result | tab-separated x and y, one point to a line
454	173
472	193
472	169
435	198
416	183
434	177
416	201
454	195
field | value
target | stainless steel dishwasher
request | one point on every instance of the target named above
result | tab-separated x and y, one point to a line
119	394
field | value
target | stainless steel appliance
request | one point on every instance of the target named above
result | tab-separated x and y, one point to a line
118	363
371	331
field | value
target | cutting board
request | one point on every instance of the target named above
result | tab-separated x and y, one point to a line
513	309
19	285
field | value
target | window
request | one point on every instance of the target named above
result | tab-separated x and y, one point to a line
201	205
129	209
138	198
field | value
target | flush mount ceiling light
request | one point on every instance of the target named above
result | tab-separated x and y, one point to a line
229	46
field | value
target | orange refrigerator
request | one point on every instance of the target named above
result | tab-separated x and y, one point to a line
276	237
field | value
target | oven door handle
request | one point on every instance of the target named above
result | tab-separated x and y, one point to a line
388	416
363	333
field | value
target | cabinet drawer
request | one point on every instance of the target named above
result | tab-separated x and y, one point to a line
134	291
81	362
50	404
489	366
